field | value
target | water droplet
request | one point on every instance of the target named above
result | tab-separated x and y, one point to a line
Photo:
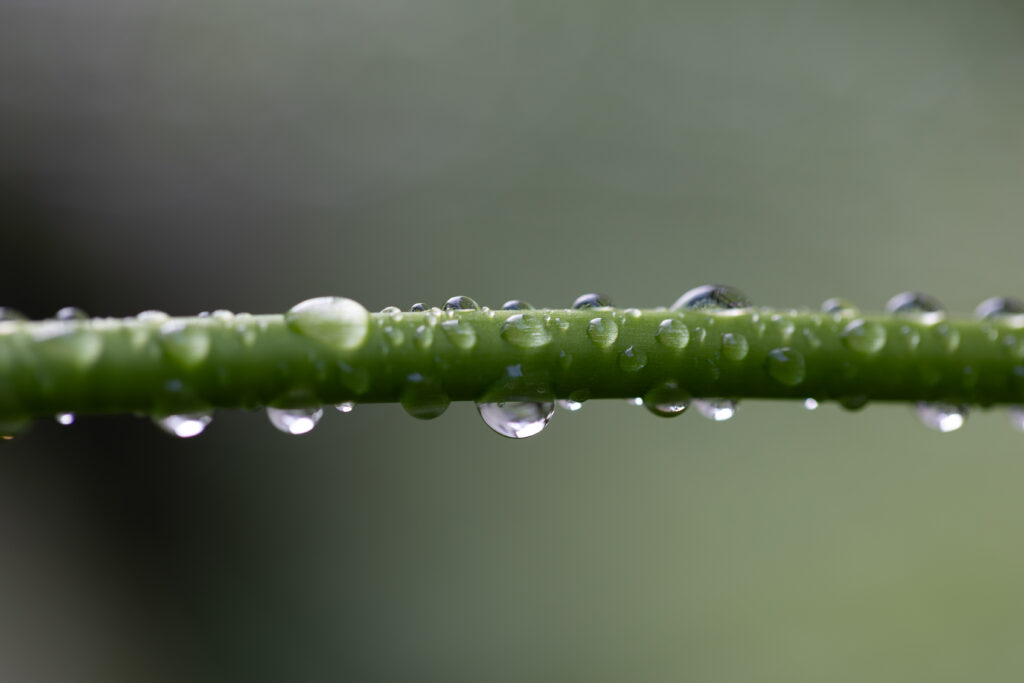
922	307
812	339
784	326
810	404
735	346
294	420
185	425
223	315
603	332
853	402
632	359
942	417
516	419
345	406
635	401
68	342
999	305
863	336
71	313
837	306
460	333
424	397
712	297
335	321
423	337
417	308
65	418
393	334
393	312
948	336
716	409
673	333
152	317
1016	415
569	404
633	313
460	303
786	366
666	399
516	305
189	345
592	301
911	336
525	331
8	313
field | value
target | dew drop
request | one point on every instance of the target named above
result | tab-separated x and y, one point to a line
666	399
569	404
418	308
592	301
634	313
335	321
459	333
423	337
345	406
853	402
635	401
911	336
632	359
525	331
1016	415
516	419
947	336
715	409
810	404
460	303
711	297
837	306
942	417
998	306
863	336
184	425
784	326
67	342
735	346
673	334
603	332
786	366
294	420
812	339
222	315
152	317
71	313
65	418
393	334
516	305
424	397
393	312
187	344
922	307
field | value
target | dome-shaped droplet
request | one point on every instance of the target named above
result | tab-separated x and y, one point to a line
716	409
294	420
393	334
569	404
332	320
1016	415
812	339
863	336
516	305
418	308
783	326
810	404
999	305
837	306
592	301
65	418
460	333
632	359
393	312
185	425
516	419
711	297
424	397
71	313
189	345
525	331
602	331
460	303
667	399
942	417
152	316
345	406
735	346
66	342
673	334
786	366
920	306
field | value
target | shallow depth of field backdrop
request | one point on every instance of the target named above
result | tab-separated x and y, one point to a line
190	155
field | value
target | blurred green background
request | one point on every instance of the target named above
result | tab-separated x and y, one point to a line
194	155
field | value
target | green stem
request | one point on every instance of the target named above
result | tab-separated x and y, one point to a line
157	365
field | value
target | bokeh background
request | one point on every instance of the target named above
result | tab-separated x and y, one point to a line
191	155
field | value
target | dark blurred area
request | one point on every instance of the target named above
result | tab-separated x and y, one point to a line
189	156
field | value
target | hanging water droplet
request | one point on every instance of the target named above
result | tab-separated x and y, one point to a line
569	404
423	337
673	333
592	301
735	346
853	402
185	425
632	359
711	297
525	331
460	303
635	401
294	420
863	336
837	306
666	399
189	345
810	404
603	332
417	308
516	305
1016	415
424	397
942	417
345	406
332	320
8	313
460	333
152	317
715	409
786	366
65	418
516	419
922	307
71	313
998	306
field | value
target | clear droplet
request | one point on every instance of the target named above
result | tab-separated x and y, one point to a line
592	301
516	305
735	346
417	308
393	334
784	326
602	331
667	399
525	331
863	336
516	419
712	297
942	417
152	317
1016	415
345	406
423	337
424	397
189	345
716	409
393	312
786	366
635	401
71	313
65	418
222	315
948	337
810	404
999	305
294	420
332	320
569	404
812	339
632	359
911	336
837	306
920	306
460	333
185	425
460	303
67	342
673	334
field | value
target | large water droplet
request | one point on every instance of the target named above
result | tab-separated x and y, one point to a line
424	397
418	308
516	419
999	305
516	305
837	306
712	297
922	307
189	345
942	417
673	333
735	346
786	366
716	409
294	420
460	303
185	425
525	331
632	359
335	321
592	301
460	333
569	404
667	399
71	313
67	342
603	331
863	336
65	418
345	406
